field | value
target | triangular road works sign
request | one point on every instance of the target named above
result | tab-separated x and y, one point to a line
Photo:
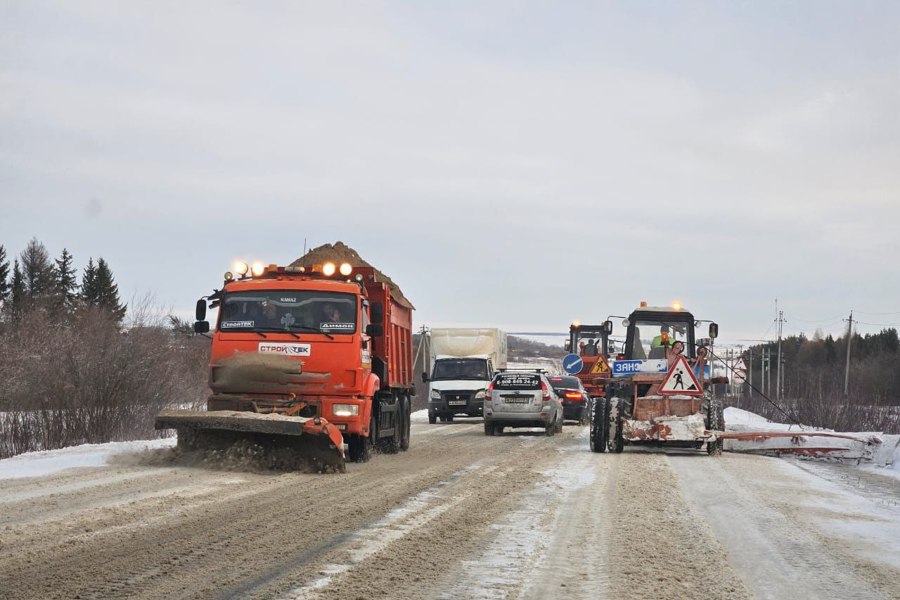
681	380
601	366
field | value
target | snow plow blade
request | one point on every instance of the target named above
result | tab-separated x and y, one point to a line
288	440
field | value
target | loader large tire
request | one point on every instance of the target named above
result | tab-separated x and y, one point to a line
617	439
600	425
715	415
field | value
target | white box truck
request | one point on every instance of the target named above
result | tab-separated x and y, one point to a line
463	364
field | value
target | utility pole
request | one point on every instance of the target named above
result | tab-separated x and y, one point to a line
847	367
779	376
768	378
750	370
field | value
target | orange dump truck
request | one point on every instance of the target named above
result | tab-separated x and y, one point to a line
304	360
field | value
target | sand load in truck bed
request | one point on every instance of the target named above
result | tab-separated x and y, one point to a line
339	252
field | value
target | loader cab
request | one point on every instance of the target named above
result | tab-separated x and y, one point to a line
651	330
589	340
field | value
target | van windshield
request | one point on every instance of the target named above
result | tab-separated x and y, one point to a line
461	368
289	310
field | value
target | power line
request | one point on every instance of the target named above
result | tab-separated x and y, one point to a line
820	321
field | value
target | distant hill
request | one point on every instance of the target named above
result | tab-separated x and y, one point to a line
522	349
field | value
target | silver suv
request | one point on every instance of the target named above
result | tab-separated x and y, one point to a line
521	399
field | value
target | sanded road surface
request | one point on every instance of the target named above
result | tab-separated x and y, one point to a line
460	515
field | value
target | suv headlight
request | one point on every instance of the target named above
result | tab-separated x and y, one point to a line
345	410
480	395
435	395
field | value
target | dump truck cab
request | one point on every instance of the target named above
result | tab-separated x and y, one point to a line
321	352
659	393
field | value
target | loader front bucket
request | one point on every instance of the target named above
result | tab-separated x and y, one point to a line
288	442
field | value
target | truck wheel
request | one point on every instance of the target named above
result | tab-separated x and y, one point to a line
489	428
432	417
359	449
405	419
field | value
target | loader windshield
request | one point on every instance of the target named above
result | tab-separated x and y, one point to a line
296	311
651	337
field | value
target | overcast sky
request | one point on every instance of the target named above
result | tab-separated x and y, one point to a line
513	164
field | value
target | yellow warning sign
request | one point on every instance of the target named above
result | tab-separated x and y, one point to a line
600	366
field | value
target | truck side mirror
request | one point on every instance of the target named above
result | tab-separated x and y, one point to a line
376	310
607	327
374	330
200	313
568	346
424	377
713	330
201	327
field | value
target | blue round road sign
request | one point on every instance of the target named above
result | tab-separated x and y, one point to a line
572	364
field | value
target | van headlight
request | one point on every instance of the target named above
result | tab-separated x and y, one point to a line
345	410
435	395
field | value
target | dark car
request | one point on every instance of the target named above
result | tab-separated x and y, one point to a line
575	400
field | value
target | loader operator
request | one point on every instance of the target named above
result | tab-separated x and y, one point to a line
658	345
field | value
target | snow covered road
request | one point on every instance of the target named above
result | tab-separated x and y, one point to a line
460	515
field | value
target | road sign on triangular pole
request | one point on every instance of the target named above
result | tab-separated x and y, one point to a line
681	380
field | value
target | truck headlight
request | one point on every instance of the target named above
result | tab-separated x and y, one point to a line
480	395
435	395
345	410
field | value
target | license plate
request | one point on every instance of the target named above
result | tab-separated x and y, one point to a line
516	400
456	402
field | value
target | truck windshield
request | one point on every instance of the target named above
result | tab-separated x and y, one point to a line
289	310
461	368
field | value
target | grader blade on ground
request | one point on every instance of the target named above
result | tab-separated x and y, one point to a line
288	442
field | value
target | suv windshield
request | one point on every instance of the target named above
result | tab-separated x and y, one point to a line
461	368
288	310
517	381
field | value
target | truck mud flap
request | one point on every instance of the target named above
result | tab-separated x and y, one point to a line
292	443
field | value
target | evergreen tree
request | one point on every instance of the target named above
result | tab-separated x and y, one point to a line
37	271
89	293
65	283
4	275
108	291
17	291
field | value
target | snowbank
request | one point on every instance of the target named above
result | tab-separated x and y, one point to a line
36	464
